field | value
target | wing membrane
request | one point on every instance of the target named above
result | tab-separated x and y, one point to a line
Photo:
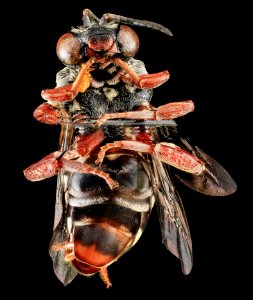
63	270
174	227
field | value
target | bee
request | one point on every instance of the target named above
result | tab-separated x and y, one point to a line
119	155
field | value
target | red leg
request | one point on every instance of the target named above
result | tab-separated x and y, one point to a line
166	152
144	81
69	92
50	165
75	166
68	248
174	110
46	113
82	81
59	94
178	158
85	144
150	81
45	168
168	111
63	246
105	277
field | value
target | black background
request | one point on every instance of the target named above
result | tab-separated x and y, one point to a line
205	58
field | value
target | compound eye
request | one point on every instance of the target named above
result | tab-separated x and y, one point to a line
68	49
128	41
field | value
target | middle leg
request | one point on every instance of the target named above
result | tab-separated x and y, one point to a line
166	152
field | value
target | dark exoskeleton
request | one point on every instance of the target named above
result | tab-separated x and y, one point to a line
118	154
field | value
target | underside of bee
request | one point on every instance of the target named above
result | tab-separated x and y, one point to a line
118	154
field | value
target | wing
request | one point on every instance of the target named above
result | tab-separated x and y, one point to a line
213	181
63	270
174	227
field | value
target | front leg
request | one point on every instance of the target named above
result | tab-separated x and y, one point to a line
46	113
166	152
143	81
69	92
168	111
